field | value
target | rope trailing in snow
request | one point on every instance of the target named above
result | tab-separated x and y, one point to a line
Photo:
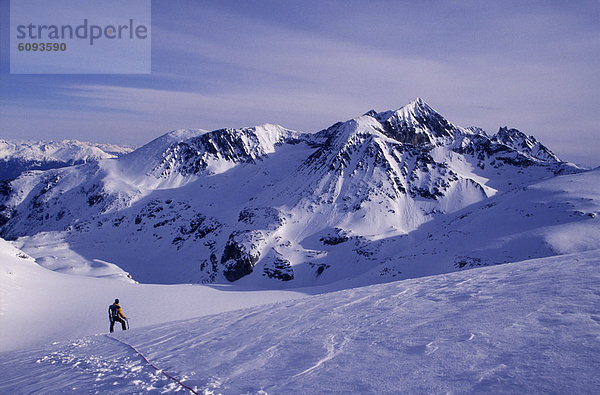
175	379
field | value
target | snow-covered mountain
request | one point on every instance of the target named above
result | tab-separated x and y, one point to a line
556	216
273	206
18	156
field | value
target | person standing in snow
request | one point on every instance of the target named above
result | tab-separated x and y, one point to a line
116	315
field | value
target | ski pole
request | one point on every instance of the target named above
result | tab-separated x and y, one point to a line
127	320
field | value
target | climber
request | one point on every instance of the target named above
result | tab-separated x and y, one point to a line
116	315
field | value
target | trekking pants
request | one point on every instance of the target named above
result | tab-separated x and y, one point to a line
119	319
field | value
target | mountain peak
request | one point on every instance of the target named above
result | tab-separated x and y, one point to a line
418	102
506	134
523	143
418	106
179	135
416	123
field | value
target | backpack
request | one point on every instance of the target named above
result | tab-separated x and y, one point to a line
113	311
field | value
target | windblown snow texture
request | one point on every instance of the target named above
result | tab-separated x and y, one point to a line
528	327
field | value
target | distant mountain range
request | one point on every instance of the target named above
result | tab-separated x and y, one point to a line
388	194
18	156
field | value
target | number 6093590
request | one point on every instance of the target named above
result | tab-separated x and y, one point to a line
42	47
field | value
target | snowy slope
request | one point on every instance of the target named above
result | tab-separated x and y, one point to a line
39	306
556	216
18	156
265	204
527	327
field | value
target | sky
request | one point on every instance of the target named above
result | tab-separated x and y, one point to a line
531	65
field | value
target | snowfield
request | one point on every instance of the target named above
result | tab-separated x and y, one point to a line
38	306
526	327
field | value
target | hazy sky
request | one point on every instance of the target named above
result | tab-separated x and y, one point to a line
532	65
